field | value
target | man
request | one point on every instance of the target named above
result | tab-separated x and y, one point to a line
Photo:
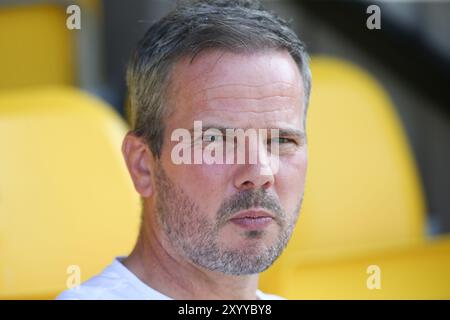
209	229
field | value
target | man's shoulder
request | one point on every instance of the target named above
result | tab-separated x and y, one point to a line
265	296
106	285
115	282
84	292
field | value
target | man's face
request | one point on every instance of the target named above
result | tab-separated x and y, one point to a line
229	217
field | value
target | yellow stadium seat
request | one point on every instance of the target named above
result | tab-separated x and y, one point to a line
363	201
65	195
36	47
406	272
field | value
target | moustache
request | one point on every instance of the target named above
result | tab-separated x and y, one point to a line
250	199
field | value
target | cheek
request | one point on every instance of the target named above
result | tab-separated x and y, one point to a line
290	180
205	184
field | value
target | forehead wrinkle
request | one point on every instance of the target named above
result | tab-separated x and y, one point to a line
286	84
211	101
271	103
279	92
246	116
221	105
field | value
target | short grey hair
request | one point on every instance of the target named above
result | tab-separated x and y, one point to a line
237	26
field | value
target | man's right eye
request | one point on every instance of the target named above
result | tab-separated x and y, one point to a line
208	138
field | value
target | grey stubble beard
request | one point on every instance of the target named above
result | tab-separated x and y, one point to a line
195	237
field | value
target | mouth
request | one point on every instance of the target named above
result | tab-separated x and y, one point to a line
254	219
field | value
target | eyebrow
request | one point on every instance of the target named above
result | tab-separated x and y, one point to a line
283	132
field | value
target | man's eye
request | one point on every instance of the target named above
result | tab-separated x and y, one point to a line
212	138
281	140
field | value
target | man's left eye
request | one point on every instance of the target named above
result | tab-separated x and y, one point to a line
281	140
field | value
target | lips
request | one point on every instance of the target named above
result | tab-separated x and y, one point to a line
252	219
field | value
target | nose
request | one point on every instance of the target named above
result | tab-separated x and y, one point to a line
255	175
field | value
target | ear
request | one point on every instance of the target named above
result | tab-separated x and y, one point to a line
138	159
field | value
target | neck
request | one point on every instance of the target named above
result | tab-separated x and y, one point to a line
156	264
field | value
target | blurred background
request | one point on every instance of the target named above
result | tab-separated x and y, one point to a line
66	199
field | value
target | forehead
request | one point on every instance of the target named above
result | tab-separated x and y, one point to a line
265	85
